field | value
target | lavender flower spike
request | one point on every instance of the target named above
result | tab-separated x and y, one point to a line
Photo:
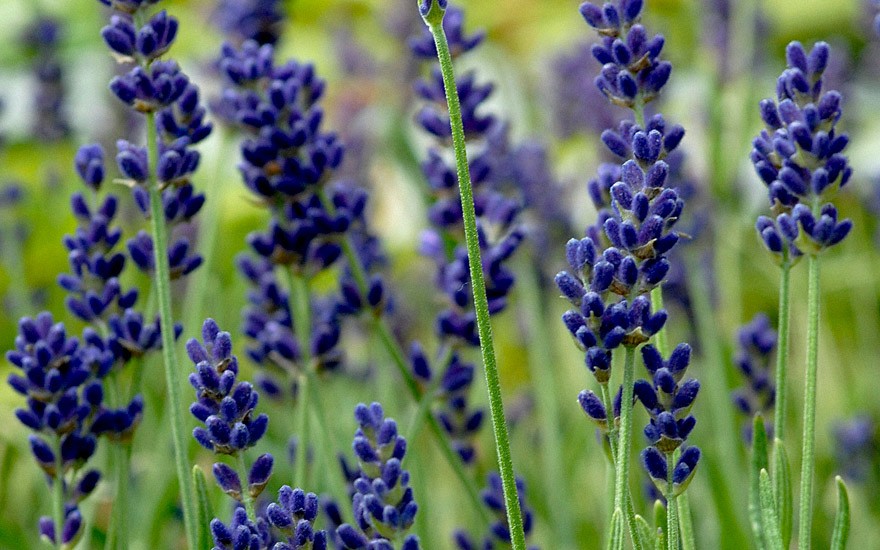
383	502
799	156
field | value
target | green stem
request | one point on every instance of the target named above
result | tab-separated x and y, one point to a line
58	494
782	352
302	431
434	20
671	506
174	380
809	451
685	520
246	497
300	305
117	536
621	488
630	513
605	393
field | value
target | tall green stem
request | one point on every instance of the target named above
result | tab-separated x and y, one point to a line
301	310
686	522
174	380
808	456
58	494
434	19
246	497
629	511
671	506
782	351
624	443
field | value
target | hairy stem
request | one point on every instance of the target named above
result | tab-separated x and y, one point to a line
246	497
301	310
174	380
434	20
58	494
782	351
624	444
685	521
671	506
808	456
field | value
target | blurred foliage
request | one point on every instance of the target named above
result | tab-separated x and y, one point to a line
523	37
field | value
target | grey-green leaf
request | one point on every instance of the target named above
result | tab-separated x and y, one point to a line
759	462
204	511
660	523
841	522
782	491
769	517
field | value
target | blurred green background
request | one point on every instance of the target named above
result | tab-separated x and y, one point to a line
358	46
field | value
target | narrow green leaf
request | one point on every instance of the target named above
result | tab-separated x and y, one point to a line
759	462
772	536
782	491
204	511
660	525
688	539
615	539
646	532
841	521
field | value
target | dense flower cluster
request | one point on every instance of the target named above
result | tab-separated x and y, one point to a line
799	155
287	162
223	403
622	256
61	377
241	533
756	344
499	532
668	401
383	504
159	88
294	516
631	71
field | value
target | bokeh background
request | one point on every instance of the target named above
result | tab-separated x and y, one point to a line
726	56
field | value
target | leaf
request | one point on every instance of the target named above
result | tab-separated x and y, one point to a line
616	537
204	511
768	513
841	521
759	462
646	532
782	491
660	523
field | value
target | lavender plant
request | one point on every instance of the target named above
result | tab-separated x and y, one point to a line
383	503
160	176
622	258
496	214
325	316
433	12
803	165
